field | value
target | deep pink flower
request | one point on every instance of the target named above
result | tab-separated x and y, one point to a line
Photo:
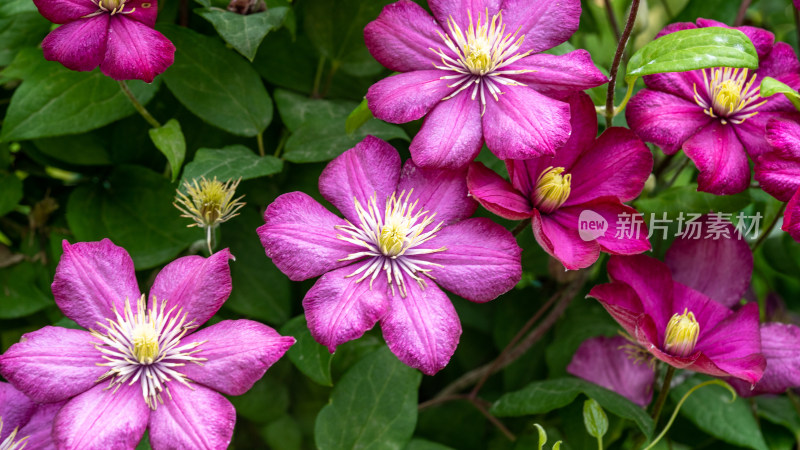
607	361
141	368
778	170
405	232
680	325
780	343
25	422
586	174
716	115
116	35
475	69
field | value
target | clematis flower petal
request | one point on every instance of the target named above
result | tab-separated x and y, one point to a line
721	159
780	344
734	345
791	218
339	310
621	302
726	279
371	168
496	194
39	429
195	285
15	409
616	240
557	76
91	279
778	170
407	96
461	10
604	361
781	63
617	165
678	84
558	235
422	328
524	124
144	11
651	280
52	364
300	237
238	353
752	132
135	51
450	137
443	192
482	260
195	417
63	11
102	419
402	36
78	45
665	119
545	23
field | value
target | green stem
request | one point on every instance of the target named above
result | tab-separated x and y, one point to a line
139	107
282	142
628	94
662	396
211	240
600	442
318	77
683	399
767	232
674	178
520	227
260	139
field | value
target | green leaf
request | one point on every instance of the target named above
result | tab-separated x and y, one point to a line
266	401
711	410
336	29
311	358
12	7
215	84
358	117
594	419
85	149
20	30
261	291
135	212
231	162
374	405
169	140
53	100
770	86
319	127
11	188
780	411
686	199
21	293
541	397
698	48
244	32
424	444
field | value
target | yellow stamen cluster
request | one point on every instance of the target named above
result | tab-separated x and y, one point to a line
682	333
729	95
111	7
208	202
552	189
145	342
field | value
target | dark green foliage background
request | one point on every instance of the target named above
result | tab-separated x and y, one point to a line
267	97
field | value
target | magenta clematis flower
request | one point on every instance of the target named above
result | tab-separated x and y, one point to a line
780	343
404	234
778	170
141	367
23	423
586	174
679	325
475	69
606	361
716	116
116	35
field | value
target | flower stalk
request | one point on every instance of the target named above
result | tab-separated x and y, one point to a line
139	107
623	41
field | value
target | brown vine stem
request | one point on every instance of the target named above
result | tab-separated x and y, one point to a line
742	12
768	230
507	356
623	42
520	227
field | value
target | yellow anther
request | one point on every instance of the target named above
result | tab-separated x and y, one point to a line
682	333
145	342
552	189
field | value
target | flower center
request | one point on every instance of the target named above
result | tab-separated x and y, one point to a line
390	240
682	333
8	443
208	202
552	189
145	346
481	52
112	7
729	94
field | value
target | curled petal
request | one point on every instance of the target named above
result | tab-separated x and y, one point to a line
791	218
558	235
195	417
651	280
778	170
238	353
496	194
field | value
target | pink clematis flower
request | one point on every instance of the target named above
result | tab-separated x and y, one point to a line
679	325
141	367
778	170
475	69
586	174
607	362
780	343
716	116
116	35
404	234
23	423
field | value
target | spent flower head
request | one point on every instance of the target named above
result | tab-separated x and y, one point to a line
208	202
